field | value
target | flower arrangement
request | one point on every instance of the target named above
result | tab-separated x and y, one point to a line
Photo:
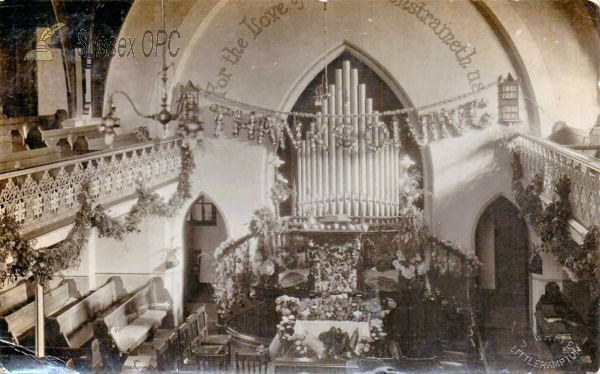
379	252
280	191
232	260
333	308
265	225
336	342
296	343
363	348
233	278
335	267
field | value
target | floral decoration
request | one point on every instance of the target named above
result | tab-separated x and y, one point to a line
437	123
551	224
344	136
335	267
332	308
385	135
232	261
315	137
280	191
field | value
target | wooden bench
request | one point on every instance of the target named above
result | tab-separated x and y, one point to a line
97	144
53	137
24	124
21	124
26	159
123	328
11	143
13	298
74	327
17	324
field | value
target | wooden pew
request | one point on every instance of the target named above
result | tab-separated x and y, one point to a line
13	298
21	124
52	137
24	124
25	159
74	327
97	144
123	328
11	143
18	323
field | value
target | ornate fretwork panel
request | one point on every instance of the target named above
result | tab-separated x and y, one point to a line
47	194
552	162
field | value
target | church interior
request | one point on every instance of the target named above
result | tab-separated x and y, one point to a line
300	186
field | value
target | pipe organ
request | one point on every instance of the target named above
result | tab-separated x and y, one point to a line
348	163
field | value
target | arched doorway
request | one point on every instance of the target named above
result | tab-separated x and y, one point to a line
502	245
204	230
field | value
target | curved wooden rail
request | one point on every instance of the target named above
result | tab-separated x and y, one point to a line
254	325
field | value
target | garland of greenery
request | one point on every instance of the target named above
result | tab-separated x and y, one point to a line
551	224
19	258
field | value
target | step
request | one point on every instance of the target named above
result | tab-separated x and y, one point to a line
447	365
454	356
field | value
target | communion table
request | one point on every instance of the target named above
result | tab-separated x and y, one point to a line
312	330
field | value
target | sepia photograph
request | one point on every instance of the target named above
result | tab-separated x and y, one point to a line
300	186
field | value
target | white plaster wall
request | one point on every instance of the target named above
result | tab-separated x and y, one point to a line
469	173
569	46
51	85
234	175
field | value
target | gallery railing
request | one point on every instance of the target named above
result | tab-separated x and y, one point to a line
46	194
552	161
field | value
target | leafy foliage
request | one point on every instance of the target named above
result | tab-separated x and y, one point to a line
551	224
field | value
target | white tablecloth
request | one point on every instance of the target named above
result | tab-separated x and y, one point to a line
317	327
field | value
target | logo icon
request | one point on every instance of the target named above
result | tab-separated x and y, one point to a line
41	52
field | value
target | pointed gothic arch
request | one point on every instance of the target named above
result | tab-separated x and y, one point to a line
502	245
201	235
307	77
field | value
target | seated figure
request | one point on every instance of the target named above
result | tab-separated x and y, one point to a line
557	318
554	304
